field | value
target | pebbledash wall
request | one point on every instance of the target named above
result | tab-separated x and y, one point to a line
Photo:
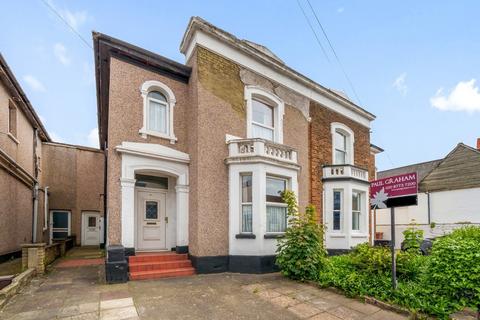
211	93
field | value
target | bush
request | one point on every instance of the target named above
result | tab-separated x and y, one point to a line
371	259
454	270
412	239
301	254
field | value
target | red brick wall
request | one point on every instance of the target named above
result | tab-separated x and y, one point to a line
321	147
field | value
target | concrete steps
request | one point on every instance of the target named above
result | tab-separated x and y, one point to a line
146	266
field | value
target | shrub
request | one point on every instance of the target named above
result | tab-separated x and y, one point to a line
412	239
454	270
371	259
301	254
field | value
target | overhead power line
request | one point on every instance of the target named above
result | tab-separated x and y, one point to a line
313	30
49	6
334	53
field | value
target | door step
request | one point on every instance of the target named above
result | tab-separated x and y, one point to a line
159	265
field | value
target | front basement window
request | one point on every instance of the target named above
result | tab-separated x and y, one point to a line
276	208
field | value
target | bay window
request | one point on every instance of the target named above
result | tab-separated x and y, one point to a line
276	208
246	203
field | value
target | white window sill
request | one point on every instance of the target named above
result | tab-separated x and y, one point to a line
337	235
144	133
11	136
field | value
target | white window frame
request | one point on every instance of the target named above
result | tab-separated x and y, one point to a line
145	89
69	221
254	92
275	204
342	209
360	212
350	140
245	203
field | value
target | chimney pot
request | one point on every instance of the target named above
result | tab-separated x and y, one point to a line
478	143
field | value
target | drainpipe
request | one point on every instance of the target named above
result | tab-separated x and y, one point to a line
428	208
104	245
35	188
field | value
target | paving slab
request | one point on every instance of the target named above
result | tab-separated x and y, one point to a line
80	293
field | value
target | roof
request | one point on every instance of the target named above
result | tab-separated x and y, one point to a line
7	77
268	58
460	169
375	149
106	46
422	169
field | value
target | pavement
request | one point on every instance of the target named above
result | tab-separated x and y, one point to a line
80	293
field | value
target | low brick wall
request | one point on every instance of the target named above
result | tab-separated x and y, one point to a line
40	255
18	283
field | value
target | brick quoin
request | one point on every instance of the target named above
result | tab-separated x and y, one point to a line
320	141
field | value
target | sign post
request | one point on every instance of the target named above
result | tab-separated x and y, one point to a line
391	192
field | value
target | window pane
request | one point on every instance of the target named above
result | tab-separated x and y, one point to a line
355	220
92	222
340	141
336	220
60	219
276	219
274	189
261	132
157	117
356	201
157	95
246	218
151	210
246	188
151	181
340	157
262	113
337	200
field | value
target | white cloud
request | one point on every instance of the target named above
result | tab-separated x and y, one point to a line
34	83
74	18
92	138
340	10
61	53
400	84
464	97
56	138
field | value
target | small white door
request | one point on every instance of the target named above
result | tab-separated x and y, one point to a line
151	220
91	229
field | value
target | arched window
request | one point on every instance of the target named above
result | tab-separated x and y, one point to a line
158	103
264	114
342	144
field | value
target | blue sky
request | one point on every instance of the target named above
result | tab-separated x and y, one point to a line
414	64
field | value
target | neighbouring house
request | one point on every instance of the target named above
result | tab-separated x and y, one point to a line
198	153
48	190
448	195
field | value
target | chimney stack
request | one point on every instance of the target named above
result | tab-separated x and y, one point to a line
478	143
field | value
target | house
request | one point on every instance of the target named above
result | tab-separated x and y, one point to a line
197	153
48	190
448	195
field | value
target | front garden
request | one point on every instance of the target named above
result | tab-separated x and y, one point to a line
439	284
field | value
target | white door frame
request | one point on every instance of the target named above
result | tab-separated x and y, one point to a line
83	225
138	217
137	157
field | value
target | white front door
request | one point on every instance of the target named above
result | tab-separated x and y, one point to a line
151	220
91	229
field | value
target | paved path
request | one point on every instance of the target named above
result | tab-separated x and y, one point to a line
79	293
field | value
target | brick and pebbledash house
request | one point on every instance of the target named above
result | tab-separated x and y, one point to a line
192	160
197	153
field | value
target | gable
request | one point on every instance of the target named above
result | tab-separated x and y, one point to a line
459	170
